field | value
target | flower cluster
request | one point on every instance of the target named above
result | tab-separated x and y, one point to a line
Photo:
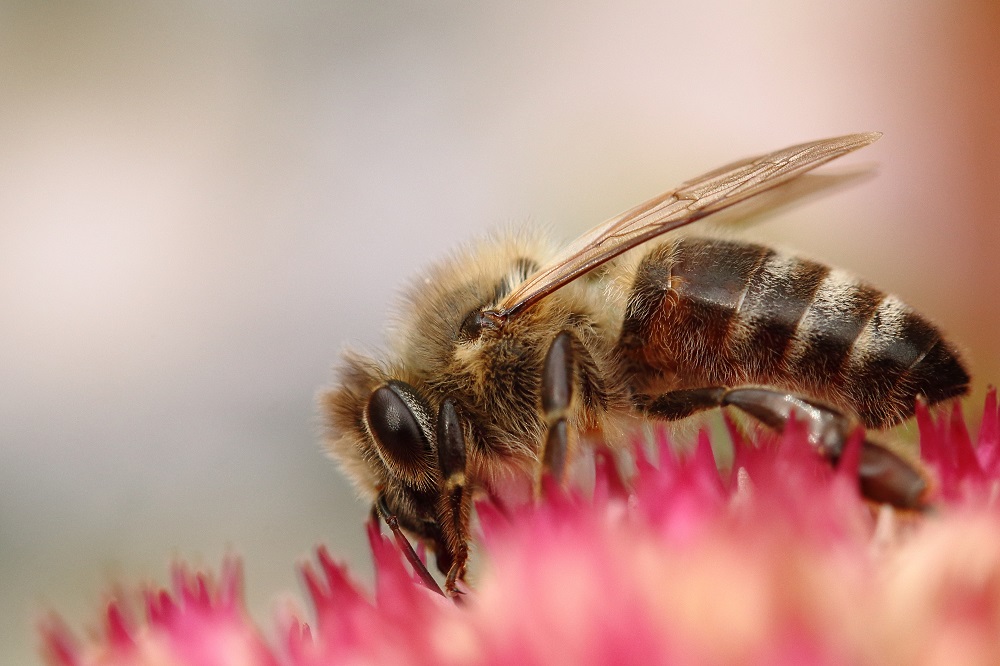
778	561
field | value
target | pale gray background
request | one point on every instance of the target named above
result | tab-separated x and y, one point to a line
201	203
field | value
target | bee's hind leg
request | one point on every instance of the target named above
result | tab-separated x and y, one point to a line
557	393
680	404
884	475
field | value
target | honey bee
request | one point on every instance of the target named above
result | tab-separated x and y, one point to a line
508	355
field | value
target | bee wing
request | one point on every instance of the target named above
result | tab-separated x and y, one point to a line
690	201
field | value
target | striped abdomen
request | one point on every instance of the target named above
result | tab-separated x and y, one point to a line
708	312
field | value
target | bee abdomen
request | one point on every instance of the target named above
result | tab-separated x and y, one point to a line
710	312
898	356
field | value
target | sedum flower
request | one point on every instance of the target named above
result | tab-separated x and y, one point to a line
778	561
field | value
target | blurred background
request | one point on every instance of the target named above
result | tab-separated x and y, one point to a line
202	204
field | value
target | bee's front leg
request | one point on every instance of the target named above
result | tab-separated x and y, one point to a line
557	392
453	504
884	475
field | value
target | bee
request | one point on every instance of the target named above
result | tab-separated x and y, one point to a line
509	356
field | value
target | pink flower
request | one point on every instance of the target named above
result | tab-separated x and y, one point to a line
202	622
778	561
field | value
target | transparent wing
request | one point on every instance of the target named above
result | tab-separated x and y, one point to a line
690	201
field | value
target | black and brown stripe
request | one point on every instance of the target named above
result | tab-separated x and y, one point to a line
707	312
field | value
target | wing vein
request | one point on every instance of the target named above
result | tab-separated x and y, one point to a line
690	201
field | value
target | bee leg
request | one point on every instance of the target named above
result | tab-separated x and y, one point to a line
382	509
557	391
453	505
680	404
885	477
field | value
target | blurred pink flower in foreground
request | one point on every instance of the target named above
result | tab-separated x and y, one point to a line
779	562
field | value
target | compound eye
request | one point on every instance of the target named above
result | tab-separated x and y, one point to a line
399	421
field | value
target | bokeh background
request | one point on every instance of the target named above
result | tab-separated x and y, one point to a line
202	203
